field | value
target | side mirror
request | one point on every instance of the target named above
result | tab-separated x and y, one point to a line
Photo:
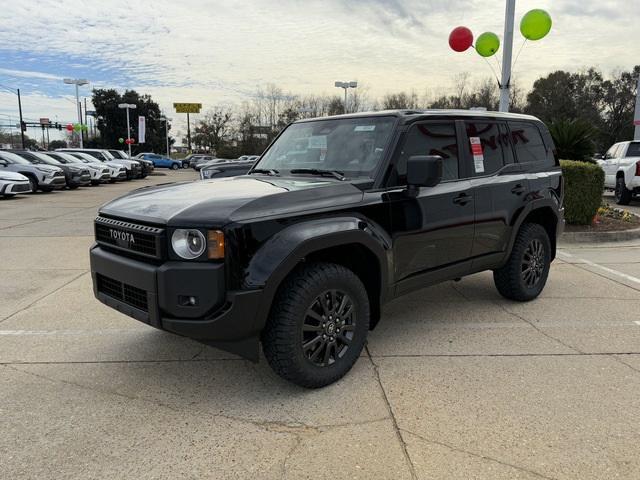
424	171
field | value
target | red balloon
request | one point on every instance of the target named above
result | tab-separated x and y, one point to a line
70	127
460	39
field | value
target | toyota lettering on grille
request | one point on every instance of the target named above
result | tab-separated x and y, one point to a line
124	239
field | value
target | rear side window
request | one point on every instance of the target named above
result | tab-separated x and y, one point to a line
633	150
527	142
430	139
488	147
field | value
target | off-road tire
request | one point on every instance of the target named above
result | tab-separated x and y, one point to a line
283	336
509	279
622	193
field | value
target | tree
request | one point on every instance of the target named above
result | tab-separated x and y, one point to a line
57	144
401	100
214	129
112	121
574	139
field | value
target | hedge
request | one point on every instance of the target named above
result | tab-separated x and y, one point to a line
584	184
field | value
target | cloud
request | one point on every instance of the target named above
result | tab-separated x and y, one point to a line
215	51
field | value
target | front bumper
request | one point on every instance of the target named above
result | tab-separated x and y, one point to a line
12	188
54	182
157	294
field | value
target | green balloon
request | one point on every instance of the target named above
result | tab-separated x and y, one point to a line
77	127
121	140
487	44
535	24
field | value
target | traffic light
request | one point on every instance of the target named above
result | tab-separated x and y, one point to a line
23	126
58	126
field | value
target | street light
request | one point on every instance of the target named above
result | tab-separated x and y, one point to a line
22	127
78	82
346	86
166	121
128	106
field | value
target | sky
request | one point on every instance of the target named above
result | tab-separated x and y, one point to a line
220	52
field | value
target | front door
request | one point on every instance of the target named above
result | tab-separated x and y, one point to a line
433	229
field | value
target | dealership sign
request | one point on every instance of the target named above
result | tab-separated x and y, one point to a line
187	107
142	128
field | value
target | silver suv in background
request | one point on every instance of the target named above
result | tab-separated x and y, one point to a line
98	171
75	175
41	177
134	169
111	171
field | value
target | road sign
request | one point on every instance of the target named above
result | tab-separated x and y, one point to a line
44	121
187	107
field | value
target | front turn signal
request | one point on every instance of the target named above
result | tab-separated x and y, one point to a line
215	245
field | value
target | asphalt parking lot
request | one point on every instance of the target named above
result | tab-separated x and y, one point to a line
456	382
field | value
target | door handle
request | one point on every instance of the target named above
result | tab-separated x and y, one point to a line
518	189
462	199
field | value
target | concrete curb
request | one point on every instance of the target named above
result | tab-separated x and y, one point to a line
600	237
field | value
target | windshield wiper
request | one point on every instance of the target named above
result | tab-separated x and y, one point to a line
317	171
266	171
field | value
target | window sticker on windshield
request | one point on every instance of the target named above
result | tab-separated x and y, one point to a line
318	141
364	128
478	156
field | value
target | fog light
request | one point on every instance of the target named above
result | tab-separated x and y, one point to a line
187	301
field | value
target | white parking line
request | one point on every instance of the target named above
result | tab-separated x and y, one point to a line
568	256
637	322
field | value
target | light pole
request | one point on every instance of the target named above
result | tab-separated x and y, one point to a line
505	84
346	86
78	82
636	116
127	107
166	121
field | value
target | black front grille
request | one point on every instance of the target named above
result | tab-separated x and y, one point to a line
134	296
139	239
21	187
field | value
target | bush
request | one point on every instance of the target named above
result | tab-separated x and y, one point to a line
573	139
584	184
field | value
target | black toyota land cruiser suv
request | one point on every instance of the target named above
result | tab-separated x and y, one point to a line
339	216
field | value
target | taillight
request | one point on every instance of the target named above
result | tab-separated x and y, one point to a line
637	169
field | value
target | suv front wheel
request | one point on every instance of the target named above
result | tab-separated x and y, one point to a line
318	325
525	274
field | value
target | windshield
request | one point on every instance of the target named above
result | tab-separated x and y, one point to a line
13	158
64	157
352	146
45	158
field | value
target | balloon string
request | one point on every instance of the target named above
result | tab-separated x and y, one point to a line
513	65
487	62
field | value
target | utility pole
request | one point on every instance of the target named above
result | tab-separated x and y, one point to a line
166	121
21	122
507	53
346	86
85	117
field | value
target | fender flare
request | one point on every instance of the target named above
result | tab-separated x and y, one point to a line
530	207
277	257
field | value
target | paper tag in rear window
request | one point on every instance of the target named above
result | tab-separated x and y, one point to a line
364	128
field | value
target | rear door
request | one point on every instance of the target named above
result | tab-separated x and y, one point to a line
499	186
433	229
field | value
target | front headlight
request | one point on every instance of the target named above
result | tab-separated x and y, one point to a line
191	243
46	171
188	244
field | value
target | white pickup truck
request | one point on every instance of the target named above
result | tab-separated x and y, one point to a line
621	165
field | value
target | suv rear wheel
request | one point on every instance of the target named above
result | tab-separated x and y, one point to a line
525	274
318	325
622	193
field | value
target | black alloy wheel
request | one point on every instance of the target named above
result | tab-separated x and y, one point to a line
328	328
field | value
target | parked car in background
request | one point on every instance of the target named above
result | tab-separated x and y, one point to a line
134	169
97	171
147	166
76	175
199	159
621	165
159	161
225	169
12	183
108	171
41	177
212	161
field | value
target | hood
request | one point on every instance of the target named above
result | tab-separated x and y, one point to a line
49	168
8	175
220	201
